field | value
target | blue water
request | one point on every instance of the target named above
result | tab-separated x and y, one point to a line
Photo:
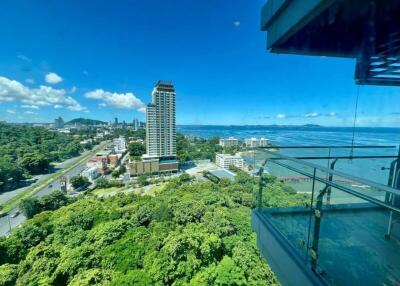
373	169
299	135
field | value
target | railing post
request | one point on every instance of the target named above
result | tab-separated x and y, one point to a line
260	188
311	208
390	179
393	197
330	179
317	227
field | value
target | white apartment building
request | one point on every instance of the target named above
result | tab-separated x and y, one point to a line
119	144
226	160
161	122
255	142
135	124
228	142
90	173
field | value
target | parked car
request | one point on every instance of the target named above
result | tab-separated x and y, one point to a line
15	214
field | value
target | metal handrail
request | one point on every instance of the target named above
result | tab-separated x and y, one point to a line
334	172
340	187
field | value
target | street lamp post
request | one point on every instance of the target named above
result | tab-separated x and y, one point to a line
9	223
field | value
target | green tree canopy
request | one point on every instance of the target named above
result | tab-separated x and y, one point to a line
136	149
79	182
195	233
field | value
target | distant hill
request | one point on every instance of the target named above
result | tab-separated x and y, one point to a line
312	125
85	121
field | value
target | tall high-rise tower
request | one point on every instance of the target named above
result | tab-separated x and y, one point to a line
161	122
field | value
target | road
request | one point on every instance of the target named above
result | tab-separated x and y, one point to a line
37	179
9	220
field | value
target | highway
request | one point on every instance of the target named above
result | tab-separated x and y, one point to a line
4	197
10	220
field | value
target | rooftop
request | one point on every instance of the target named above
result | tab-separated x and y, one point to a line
223	173
229	156
163	85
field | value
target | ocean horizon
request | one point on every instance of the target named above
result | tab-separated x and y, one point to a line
374	169
299	135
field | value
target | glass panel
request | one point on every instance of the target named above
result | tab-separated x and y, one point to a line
334	218
353	231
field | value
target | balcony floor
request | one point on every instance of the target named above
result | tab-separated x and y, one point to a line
353	249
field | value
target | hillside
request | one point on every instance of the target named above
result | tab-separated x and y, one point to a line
85	121
189	233
26	151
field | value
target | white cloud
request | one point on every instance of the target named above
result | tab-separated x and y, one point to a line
118	100
10	111
24	58
29	106
312	115
73	89
142	109
53	78
12	90
332	114
281	116
29	112
236	23
102	104
29	80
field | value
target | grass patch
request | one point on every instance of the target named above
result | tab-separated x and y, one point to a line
102	192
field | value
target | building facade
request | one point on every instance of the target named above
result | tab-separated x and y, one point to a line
255	142
228	142
226	160
161	122
91	173
120	144
58	123
136	124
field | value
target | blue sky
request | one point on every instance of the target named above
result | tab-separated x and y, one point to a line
101	59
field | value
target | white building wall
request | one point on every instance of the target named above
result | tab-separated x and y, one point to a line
228	142
119	144
254	142
90	173
225	161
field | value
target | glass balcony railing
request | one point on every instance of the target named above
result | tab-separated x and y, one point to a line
335	210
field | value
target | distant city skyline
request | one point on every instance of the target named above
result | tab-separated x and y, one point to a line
105	63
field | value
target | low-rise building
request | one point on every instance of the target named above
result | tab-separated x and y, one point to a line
98	162
228	142
113	160
255	142
99	135
222	174
227	160
152	165
91	173
119	145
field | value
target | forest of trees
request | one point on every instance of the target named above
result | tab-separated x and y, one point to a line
189	233
34	205
26	151
197	149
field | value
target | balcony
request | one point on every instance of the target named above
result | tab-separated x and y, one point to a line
344	229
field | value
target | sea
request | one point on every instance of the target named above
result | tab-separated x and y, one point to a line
377	169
